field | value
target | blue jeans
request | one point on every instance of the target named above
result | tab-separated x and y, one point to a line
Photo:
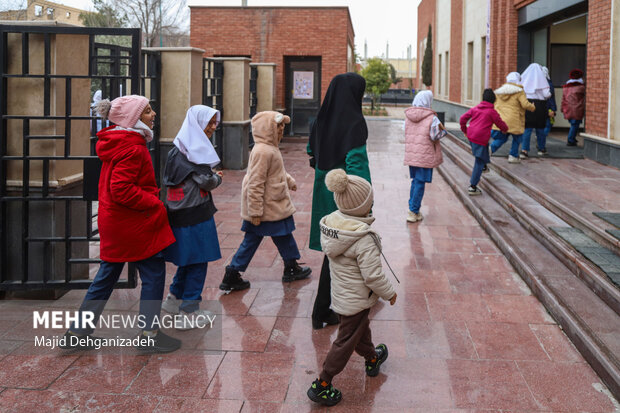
287	247
416	193
574	128
153	276
547	128
500	138
541	138
476	173
187	285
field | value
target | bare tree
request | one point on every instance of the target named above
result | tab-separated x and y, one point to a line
155	17
13	9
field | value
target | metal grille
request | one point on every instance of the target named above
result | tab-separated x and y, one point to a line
253	97
213	70
47	227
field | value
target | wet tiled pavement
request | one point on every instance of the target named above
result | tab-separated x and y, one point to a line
466	334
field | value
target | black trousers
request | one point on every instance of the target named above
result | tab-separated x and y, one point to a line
324	293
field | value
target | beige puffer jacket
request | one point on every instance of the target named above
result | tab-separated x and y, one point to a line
354	252
265	188
511	104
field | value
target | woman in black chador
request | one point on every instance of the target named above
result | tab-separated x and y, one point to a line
337	141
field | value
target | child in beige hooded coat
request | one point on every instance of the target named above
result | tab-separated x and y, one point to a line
266	206
357	280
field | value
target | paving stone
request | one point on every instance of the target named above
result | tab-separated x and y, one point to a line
612	217
614	232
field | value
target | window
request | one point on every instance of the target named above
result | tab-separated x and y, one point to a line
483	64
470	71
447	82
38	11
439	76
68	15
50	11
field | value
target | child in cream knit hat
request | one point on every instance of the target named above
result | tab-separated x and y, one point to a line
357	280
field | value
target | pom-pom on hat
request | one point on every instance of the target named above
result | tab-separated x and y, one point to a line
575	74
124	111
353	195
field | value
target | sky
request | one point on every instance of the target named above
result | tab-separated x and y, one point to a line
377	23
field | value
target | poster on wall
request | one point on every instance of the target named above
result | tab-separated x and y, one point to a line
303	85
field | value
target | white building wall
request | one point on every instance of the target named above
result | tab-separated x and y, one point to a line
475	17
442	29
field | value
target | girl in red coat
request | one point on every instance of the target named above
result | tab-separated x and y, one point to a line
133	224
483	117
573	103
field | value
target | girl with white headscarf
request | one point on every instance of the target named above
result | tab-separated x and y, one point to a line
423	130
537	91
189	180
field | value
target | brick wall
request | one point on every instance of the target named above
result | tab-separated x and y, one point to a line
426	16
597	72
267	34
503	47
456	50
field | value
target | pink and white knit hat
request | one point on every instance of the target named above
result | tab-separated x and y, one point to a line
124	111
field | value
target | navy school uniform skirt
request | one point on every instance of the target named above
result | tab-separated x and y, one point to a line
481	151
194	244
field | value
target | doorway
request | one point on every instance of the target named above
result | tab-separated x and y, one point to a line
303	92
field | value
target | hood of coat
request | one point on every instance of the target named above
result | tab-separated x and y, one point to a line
417	114
486	105
340	231
112	142
265	127
507	90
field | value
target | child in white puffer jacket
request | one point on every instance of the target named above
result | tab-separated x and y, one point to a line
357	280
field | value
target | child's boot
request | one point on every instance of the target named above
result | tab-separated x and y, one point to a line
293	271
232	281
372	366
324	393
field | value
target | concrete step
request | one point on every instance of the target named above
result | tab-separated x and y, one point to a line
538	220
589	322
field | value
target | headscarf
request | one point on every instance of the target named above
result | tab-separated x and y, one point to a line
424	99
575	74
340	125
545	70
96	98
534	79
514	77
192	140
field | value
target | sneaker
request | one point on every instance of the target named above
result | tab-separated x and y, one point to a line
372	366
571	144
294	272
196	319
542	152
512	159
171	304
413	217
523	155
330	320
160	343
82	342
473	190
233	282
324	393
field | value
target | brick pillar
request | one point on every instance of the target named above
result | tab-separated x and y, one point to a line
597	71
503	53
456	50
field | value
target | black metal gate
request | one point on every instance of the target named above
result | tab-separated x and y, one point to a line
47	227
213	75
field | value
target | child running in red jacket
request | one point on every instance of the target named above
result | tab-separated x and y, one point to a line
482	118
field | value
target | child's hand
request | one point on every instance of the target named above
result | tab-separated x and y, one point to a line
393	299
441	127
220	173
293	187
255	221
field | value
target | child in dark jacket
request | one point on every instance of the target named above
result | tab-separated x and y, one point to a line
190	180
482	118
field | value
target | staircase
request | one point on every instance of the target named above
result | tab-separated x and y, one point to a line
542	238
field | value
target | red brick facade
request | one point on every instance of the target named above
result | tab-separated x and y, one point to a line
597	71
268	34
456	53
503	39
426	16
